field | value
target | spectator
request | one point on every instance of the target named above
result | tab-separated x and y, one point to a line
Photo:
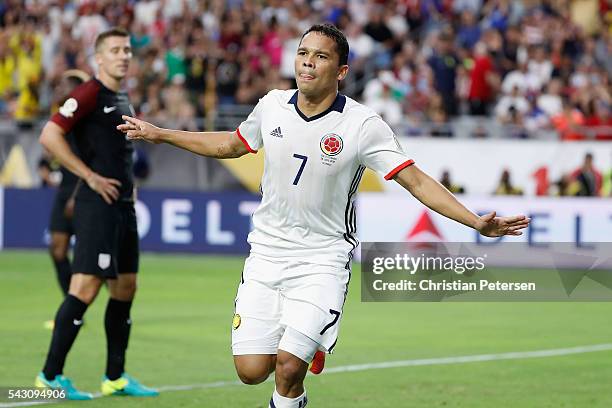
551	102
7	68
512	106
445	180
527	82
535	119
505	186
606	187
361	45
588	177
378	94
497	14
29	73
89	24
377	28
228	76
175	57
565	186
511	48
469	32
568	122
603	50
444	65
272	44
145	12
599	120
483	81
540	65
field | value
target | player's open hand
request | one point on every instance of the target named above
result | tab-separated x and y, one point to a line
136	129
108	188
491	226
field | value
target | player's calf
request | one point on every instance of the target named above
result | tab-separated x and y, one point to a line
295	350
290	374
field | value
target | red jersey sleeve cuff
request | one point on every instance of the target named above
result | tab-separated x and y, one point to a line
246	144
60	121
399	168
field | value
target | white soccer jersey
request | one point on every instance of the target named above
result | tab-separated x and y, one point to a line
312	169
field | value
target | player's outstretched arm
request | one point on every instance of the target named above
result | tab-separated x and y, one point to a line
435	196
222	145
52	137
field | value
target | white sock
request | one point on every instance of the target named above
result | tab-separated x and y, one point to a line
278	401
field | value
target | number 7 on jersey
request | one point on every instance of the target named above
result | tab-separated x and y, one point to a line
304	159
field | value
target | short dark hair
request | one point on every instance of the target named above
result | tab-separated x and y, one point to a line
331	31
111	32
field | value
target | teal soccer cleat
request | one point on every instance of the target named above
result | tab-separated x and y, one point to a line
62	383
126	385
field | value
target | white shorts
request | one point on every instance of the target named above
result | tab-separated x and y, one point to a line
274	294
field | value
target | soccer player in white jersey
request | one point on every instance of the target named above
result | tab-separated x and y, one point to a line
317	144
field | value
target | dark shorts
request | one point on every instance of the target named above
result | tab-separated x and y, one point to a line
58	221
106	239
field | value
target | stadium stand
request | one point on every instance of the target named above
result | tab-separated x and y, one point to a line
527	69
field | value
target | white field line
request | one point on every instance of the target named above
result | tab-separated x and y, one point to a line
515	355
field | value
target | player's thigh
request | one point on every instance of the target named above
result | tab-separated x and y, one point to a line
59	245
58	221
128	256
313	304
297	345
97	239
255	326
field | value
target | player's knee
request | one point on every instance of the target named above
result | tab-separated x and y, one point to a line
254	370
84	294
252	376
84	287
123	289
129	288
290	369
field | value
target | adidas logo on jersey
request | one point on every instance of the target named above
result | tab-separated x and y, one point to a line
276	132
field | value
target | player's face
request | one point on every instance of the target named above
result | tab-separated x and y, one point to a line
316	65
114	56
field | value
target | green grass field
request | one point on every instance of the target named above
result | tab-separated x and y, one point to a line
181	336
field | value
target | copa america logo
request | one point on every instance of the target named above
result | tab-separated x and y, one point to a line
331	144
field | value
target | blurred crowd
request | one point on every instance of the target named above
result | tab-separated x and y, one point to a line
585	181
531	64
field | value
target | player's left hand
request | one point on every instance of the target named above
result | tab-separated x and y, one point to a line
491	226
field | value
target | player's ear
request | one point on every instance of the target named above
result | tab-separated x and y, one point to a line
98	57
342	72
